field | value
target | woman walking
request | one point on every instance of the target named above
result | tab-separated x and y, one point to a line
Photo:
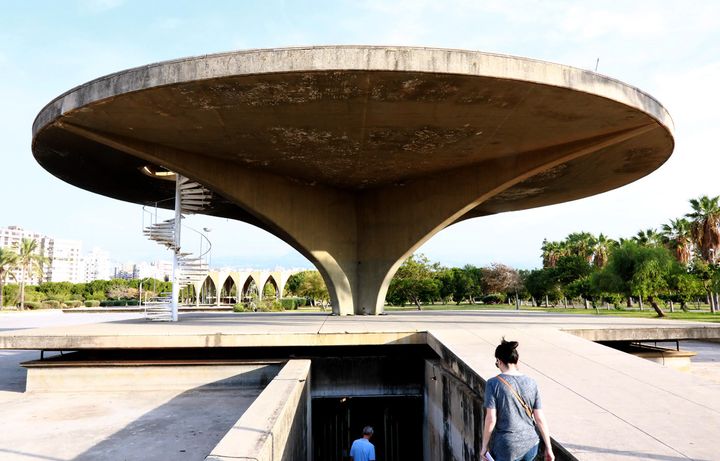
512	411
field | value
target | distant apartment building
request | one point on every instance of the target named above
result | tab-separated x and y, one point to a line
159	270
63	262
127	271
11	237
97	266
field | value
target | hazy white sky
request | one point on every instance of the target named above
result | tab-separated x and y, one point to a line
668	49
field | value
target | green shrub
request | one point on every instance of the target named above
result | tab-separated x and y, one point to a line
119	302
92	303
33	305
288	303
74	303
51	303
11	293
132	302
105	303
493	298
270	305
240	308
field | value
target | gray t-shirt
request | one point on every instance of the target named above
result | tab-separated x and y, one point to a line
514	433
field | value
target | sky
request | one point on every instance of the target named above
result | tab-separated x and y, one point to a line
668	49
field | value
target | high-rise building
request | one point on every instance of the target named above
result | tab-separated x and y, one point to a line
12	236
61	258
97	266
65	261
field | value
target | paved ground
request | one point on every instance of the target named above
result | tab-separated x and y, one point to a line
172	425
602	404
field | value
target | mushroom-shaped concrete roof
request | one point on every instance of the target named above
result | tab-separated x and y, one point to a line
389	132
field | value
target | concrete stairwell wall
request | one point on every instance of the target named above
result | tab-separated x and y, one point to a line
275	427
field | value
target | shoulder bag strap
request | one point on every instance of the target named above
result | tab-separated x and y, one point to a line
526	407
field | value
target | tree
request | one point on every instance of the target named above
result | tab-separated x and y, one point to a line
677	237
30	263
269	291
8	262
601	250
313	287
706	232
581	244
499	278
684	287
648	237
705	222
462	285
634	269
294	282
541	284
551	251
444	278
413	281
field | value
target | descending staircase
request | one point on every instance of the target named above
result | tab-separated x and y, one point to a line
190	198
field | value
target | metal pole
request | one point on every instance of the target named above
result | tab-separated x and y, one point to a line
176	250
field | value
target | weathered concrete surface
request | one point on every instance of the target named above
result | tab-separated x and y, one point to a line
602	404
77	377
663	333
275	427
367	376
453	415
338	150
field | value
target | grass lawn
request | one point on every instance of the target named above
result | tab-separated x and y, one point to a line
648	312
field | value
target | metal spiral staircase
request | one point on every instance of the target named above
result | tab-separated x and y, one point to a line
188	269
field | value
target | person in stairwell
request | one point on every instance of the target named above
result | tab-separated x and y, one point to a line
362	449
512	412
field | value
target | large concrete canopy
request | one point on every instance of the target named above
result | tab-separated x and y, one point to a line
355	155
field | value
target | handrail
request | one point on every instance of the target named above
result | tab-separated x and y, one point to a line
204	237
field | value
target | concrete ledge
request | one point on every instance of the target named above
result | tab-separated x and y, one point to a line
159	336
265	432
143	378
693	331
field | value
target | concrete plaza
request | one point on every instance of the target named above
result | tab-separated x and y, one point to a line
602	403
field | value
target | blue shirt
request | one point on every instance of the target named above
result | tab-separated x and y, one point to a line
362	450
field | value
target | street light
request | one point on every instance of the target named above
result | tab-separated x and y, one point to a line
207	230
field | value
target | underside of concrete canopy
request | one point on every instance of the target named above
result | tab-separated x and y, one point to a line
355	155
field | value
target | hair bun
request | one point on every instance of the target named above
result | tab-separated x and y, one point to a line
514	344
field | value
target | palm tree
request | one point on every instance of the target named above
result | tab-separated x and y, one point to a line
601	250
705	219
30	263
581	244
8	262
551	251
648	238
677	236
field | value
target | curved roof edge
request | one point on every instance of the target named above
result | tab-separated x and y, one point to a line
349	57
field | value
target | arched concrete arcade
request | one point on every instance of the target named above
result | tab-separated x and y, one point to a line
356	155
230	287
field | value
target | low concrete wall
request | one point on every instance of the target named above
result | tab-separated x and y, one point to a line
72	377
275	427
453	416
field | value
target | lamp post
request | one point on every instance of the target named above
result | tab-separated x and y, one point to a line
206	230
